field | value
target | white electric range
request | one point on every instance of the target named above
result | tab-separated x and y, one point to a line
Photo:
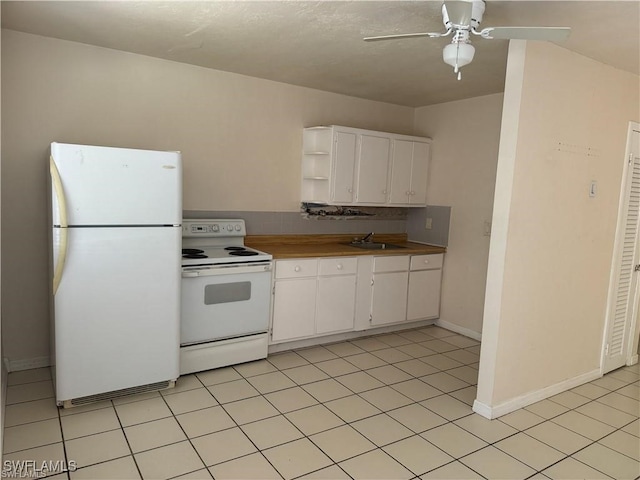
226	296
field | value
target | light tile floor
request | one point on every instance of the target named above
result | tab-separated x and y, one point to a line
392	406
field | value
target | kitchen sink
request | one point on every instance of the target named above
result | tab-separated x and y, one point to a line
374	245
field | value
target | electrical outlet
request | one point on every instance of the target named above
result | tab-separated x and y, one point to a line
428	224
487	228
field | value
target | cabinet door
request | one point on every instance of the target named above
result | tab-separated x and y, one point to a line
294	309
419	169
389	298
424	294
373	167
344	160
401	162
336	304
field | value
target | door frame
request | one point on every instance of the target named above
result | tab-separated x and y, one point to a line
632	340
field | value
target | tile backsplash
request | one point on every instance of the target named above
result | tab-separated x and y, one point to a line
287	223
438	234
383	220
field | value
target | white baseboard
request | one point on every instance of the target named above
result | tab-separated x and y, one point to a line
632	361
533	397
26	363
482	409
458	329
340	337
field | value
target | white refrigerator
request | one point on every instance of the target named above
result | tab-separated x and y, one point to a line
116	219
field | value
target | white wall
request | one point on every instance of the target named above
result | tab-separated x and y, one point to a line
564	125
462	175
240	137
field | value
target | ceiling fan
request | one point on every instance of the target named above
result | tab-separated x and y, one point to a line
462	18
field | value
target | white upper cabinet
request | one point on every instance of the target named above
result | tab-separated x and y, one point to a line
373	169
350	166
344	164
316	164
409	167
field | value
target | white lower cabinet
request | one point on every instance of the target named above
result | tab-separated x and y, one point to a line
425	279
424	295
294	309
389	289
405	288
313	297
336	303
321	296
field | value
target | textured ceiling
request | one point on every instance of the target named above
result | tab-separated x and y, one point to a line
319	44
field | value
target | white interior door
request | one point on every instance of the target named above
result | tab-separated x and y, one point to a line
623	290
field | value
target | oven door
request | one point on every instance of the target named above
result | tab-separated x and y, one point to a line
224	302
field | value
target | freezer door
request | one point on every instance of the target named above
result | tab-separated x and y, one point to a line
117	310
115	186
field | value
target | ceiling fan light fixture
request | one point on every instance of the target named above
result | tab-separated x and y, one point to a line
463	18
458	55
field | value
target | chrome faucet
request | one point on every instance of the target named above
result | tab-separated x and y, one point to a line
367	238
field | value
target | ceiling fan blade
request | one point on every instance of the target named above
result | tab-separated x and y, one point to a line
459	12
551	34
401	35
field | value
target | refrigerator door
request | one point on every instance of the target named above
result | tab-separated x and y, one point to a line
115	186
117	309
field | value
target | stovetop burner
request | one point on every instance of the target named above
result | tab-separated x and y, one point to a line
243	253
213	242
193	253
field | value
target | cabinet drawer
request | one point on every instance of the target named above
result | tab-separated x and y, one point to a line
426	262
337	266
392	263
296	268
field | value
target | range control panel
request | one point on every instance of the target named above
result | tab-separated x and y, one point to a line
214	228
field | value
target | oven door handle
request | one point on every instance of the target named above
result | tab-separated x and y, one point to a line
211	271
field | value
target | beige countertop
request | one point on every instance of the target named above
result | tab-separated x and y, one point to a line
299	246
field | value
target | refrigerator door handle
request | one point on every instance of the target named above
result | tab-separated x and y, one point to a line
62	210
